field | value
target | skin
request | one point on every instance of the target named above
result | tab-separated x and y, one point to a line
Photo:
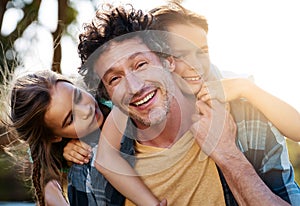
225	153
140	87
194	59
244	88
77	115
72	119
238	172
53	194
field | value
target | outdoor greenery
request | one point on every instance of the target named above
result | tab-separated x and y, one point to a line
12	187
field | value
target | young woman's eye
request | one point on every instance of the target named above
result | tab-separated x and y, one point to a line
71	120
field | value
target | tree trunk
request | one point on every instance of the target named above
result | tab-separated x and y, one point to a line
61	24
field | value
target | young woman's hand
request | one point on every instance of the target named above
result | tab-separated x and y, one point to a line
77	151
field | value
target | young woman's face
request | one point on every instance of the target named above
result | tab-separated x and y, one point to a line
191	54
72	113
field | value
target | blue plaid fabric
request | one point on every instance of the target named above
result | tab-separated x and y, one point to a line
86	186
265	148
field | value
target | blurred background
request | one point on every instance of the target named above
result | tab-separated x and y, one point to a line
257	37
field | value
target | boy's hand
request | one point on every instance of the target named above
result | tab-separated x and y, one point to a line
224	90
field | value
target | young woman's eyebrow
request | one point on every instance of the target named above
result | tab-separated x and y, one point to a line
66	118
77	96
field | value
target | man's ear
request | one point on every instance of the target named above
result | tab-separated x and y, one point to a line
171	62
56	139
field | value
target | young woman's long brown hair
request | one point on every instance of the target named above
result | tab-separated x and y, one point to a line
30	98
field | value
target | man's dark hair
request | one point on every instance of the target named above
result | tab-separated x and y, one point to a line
109	22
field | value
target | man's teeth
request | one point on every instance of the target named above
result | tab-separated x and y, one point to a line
192	78
149	96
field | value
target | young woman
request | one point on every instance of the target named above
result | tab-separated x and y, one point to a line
45	108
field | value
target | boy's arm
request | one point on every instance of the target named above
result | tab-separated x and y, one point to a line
282	115
116	169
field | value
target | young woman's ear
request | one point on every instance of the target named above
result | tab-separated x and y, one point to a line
56	139
171	62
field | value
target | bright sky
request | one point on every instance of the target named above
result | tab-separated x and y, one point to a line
257	37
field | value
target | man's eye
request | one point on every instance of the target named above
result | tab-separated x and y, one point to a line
141	64
113	79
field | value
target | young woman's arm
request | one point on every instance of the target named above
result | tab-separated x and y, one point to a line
53	194
281	114
116	169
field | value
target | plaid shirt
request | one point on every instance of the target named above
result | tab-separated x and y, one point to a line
86	186
266	150
258	139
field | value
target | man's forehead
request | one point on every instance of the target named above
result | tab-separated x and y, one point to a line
118	51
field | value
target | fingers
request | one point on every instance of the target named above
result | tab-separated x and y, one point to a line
211	90
163	203
77	152
202	108
203	92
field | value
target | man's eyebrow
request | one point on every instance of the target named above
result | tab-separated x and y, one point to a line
137	54
130	57
66	118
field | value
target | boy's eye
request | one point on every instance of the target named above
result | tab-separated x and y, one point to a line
202	51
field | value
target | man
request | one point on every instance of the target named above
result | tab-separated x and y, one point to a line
115	71
151	106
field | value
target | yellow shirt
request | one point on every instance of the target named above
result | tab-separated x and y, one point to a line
178	174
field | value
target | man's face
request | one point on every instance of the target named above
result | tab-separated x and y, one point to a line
136	81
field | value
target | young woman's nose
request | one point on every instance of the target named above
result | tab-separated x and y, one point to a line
134	83
83	111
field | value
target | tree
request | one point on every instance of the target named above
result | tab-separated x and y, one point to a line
8	60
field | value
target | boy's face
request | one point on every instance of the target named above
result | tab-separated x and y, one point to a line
136	81
189	46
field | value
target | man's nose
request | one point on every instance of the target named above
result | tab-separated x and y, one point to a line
134	83
83	111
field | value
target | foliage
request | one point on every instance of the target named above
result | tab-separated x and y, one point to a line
30	9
